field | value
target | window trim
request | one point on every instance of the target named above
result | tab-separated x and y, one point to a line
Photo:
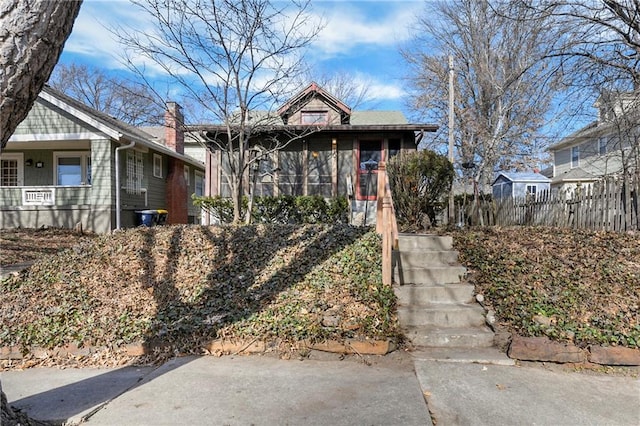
317	113
197	174
19	158
534	186
85	164
157	166
602	145
575	156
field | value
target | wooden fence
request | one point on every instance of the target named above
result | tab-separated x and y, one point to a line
610	205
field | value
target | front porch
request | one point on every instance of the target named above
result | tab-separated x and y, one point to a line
54	206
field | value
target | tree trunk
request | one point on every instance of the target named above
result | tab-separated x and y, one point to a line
32	35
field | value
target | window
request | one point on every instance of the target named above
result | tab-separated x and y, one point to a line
602	146
369	156
11	169
157	165
314	117
531	189
135	172
186	175
198	182
319	170
72	168
575	156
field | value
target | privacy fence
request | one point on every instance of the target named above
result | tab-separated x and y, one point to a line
610	205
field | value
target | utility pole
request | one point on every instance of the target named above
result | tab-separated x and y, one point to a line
451	124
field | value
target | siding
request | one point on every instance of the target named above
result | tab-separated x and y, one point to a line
45	118
316	104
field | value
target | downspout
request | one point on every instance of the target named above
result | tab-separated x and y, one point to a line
118	149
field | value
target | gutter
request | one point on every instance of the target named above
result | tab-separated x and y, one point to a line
118	149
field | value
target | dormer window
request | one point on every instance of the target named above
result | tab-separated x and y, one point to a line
314	117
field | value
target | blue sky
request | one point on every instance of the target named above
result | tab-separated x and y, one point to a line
361	38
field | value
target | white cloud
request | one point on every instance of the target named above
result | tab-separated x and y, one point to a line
351	25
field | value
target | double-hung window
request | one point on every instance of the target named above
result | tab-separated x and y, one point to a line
198	183
72	168
575	156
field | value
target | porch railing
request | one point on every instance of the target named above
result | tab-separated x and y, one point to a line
386	223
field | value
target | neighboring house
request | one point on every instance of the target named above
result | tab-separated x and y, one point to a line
68	164
518	185
603	148
338	155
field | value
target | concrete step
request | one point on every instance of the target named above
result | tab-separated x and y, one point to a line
463	355
442	315
430	275
424	242
416	258
441	337
424	294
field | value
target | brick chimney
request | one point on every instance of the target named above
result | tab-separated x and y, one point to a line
176	198
173	133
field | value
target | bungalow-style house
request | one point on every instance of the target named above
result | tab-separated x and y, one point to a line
603	148
518	185
69	165
336	153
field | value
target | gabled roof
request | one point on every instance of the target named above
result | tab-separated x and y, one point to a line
108	125
522	177
97	119
300	99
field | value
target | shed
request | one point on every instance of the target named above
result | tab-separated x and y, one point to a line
518	184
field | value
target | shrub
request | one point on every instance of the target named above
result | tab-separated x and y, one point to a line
420	182
284	209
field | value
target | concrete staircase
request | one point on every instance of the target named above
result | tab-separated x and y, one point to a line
436	308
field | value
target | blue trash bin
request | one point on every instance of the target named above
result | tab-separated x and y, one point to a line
146	217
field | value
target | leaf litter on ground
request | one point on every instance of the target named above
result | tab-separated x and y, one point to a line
185	286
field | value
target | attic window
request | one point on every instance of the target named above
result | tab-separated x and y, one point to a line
314	117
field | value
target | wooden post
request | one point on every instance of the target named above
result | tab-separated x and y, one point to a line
387	241
382	172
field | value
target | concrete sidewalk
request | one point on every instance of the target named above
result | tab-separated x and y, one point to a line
491	395
262	390
224	391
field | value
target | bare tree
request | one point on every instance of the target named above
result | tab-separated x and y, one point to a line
233	59
600	56
503	86
129	101
32	35
343	85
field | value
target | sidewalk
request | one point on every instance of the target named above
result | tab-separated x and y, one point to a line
262	390
240	390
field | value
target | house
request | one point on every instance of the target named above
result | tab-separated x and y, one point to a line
518	185
68	164
335	151
606	147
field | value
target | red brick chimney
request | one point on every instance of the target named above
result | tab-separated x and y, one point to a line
173	133
177	198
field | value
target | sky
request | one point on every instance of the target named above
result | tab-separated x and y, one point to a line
361	38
